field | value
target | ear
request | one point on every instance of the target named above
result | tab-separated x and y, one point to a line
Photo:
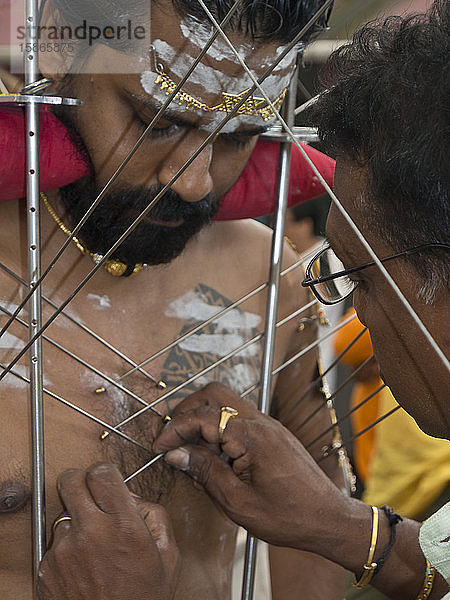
56	63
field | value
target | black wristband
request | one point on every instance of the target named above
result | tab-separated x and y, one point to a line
394	519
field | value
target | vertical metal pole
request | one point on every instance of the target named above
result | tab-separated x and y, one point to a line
272	311
31	64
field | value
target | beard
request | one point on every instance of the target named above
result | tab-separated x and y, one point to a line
149	243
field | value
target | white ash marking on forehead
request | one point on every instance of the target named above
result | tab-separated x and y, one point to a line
198	34
233	125
210	121
214	80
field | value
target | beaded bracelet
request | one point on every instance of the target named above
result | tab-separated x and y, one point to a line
428	582
394	519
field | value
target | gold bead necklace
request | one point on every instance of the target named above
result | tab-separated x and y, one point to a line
115	268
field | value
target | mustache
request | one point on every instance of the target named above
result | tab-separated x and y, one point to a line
170	206
128	203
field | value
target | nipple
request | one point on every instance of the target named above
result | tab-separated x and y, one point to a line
13	496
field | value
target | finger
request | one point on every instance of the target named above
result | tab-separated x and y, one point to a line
214	395
213	473
108	489
199	422
44	576
60	529
202	423
160	527
75	495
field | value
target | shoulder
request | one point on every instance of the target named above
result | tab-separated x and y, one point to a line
243	249
248	238
249	244
243	233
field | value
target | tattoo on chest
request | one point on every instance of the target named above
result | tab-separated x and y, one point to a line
196	354
221	338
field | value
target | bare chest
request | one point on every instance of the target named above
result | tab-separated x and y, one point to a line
116	365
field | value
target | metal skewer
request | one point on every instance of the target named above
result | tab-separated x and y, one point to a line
31	67
248	583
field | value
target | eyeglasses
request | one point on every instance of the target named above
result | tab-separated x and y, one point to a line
329	280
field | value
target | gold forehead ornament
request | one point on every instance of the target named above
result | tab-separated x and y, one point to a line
253	106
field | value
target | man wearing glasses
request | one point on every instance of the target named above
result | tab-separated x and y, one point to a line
385	114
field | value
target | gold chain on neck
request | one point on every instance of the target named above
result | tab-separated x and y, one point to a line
116	268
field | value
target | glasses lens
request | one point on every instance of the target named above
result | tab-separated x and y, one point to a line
334	290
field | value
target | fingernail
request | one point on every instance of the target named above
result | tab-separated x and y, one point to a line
179	458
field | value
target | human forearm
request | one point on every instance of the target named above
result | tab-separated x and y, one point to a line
271	486
297	574
344	538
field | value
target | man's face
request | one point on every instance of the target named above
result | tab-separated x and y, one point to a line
118	107
412	370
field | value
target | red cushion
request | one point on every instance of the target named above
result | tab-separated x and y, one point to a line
254	194
60	161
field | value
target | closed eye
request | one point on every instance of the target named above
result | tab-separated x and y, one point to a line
157	132
237	140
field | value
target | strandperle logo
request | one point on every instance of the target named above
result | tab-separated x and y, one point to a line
83	32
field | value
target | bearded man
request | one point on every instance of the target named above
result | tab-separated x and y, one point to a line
184	274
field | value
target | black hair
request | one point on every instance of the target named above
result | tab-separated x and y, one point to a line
270	20
386	107
279	20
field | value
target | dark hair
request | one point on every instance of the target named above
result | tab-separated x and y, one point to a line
271	20
279	20
386	106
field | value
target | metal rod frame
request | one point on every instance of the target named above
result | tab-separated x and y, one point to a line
35	301
35	324
31	69
248	583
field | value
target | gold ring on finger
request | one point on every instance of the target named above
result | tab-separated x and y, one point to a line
226	413
61	519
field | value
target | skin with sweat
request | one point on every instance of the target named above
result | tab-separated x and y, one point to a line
141	315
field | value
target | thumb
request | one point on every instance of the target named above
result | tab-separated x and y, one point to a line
207	469
160	528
